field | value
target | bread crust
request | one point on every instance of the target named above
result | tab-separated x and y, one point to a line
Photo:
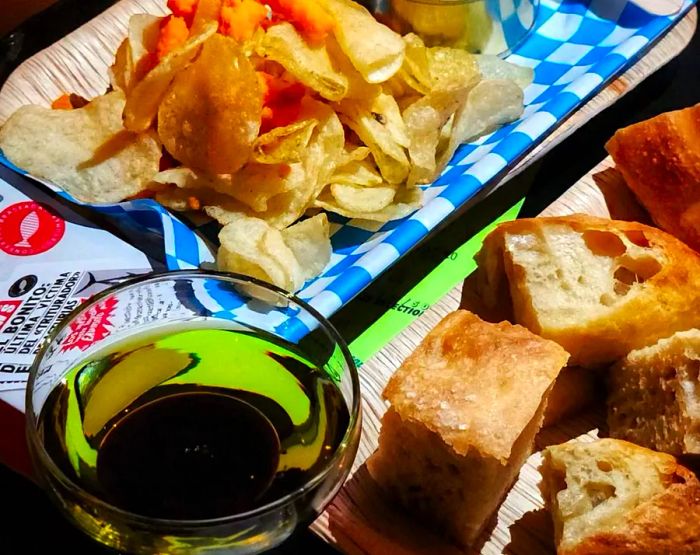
475	384
660	161
667	302
668	524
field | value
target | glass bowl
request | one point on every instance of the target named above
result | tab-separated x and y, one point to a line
140	307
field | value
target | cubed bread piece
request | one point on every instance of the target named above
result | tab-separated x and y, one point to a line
654	395
611	497
465	408
660	161
600	288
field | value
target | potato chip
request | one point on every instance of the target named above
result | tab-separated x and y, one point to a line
424	120
143	100
415	71
357	86
284	144
84	151
352	153
490	104
378	123
358	199
450	68
493	67
285	258
406	201
309	64
375	50
120	71
256	184
309	241
250	246
358	172
326	147
211	113
192	199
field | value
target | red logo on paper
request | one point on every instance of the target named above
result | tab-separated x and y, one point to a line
7	309
27	228
91	326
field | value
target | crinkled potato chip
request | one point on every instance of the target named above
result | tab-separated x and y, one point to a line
378	123
353	153
357	172
357	86
406	201
425	120
143	100
375	50
310	242
415	71
450	68
284	144
85	151
358	199
284	258
326	147
250	246
309	64
211	113
490	104
493	67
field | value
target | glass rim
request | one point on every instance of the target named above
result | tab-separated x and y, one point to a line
48	463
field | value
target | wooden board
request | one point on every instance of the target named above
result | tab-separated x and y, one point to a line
358	521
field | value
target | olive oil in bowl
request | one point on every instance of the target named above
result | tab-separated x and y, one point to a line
194	423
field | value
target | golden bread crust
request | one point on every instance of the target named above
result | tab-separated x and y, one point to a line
475	384
652	504
660	161
666	302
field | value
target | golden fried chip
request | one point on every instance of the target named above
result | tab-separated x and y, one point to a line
358	172
451	67
375	50
378	123
493	67
143	100
425	119
211	113
359	199
415	71
284	144
326	147
406	201
250	246
120	71
310	242
256	184
309	64
353	153
357	86
490	104
285	258
85	151
193	199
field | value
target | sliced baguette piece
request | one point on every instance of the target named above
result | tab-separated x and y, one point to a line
465	408
611	497
600	288
660	161
654	395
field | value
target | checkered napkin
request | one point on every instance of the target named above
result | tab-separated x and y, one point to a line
576	47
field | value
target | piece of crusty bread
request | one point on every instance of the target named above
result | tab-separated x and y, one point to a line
660	161
600	288
611	497
654	395
465	408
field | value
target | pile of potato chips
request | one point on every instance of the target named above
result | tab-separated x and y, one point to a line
380	115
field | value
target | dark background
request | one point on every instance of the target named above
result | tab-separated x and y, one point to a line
29	524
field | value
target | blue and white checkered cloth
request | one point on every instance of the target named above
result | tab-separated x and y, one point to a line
577	46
